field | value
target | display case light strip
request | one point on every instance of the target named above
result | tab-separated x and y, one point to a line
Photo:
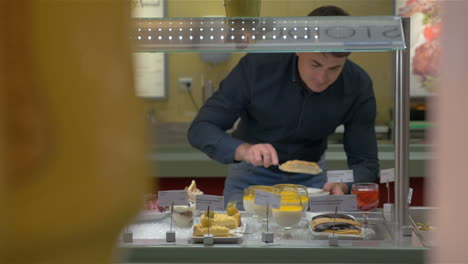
261	33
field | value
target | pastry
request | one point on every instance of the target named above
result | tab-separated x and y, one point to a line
219	224
193	191
217	231
338	224
300	166
221	220
231	210
335	217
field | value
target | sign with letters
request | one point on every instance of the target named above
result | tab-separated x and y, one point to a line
215	202
268	199
387	175
168	198
340	176
330	202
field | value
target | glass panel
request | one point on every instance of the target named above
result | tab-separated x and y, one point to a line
269	34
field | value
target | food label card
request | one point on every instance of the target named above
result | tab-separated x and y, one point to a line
340	176
410	195
387	175
330	202
215	202
167	198
269	199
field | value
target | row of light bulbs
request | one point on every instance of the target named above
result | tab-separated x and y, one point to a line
223	37
221	29
232	22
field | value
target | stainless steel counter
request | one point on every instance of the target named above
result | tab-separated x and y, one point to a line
294	246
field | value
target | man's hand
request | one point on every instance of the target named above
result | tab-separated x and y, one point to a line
258	155
336	188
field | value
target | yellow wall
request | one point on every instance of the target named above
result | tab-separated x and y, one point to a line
179	108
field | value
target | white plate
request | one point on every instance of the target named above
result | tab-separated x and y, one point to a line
316	192
310	215
149	215
236	235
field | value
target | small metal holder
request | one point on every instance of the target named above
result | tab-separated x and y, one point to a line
267	236
170	235
208	239
332	240
127	236
407	230
388	209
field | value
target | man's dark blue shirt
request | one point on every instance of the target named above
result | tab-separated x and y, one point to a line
267	93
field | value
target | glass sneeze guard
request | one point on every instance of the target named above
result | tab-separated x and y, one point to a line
269	34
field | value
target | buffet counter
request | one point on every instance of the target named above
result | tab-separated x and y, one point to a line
298	245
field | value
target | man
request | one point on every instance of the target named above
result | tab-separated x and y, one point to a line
288	104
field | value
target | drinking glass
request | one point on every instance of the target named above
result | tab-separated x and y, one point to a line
367	196
248	200
299	189
290	212
260	210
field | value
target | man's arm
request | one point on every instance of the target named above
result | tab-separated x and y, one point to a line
218	114
360	141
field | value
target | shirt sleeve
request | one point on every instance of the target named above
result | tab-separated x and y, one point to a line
360	141
219	113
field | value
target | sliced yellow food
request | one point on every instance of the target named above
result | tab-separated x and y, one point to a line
217	231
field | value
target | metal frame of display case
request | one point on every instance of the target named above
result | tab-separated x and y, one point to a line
317	34
401	226
269	34
401	110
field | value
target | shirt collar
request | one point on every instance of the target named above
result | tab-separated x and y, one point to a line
295	78
294	70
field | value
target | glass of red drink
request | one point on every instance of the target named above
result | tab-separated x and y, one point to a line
367	196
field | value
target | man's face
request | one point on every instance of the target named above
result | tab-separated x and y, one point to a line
319	70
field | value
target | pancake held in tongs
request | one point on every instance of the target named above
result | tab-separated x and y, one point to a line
300	166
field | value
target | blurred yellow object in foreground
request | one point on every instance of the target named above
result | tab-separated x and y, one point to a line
242	8
72	130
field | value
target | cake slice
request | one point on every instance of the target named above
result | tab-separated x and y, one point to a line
237	217
217	231
220	220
